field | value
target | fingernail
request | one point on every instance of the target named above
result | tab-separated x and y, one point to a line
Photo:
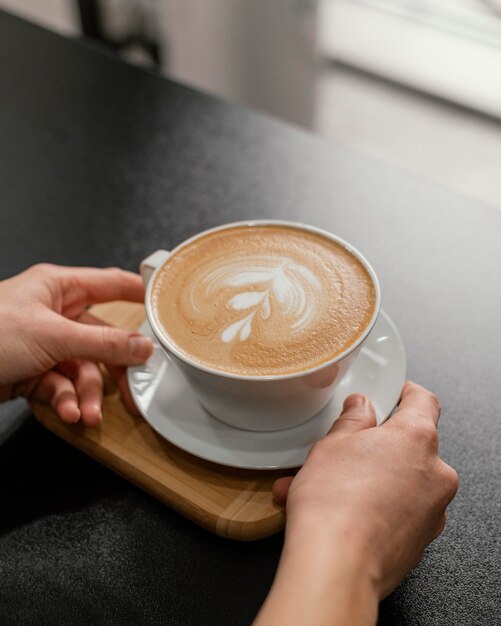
140	346
355	401
78	414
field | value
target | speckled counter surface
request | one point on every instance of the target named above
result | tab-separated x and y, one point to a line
101	163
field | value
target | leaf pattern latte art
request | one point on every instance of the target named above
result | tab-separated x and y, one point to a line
293	286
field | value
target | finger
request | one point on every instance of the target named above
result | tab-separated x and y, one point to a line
58	392
449	482
103	343
416	403
280	489
105	285
88	382
91	320
119	375
357	414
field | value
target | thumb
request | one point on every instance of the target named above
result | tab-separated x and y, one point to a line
280	489
357	414
104	344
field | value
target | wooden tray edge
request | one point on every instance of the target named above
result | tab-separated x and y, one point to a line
236	530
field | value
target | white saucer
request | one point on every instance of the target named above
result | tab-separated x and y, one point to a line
168	405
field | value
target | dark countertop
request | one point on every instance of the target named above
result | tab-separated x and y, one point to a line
101	163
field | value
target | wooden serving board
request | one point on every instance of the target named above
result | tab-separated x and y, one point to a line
231	502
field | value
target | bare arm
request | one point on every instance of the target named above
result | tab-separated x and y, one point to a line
360	513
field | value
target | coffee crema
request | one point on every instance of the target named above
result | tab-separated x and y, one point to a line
262	300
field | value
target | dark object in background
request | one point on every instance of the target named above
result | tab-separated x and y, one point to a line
93	27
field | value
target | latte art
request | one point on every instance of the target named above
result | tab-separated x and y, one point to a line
261	300
292	287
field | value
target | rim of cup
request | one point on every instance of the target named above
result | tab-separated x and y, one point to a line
169	347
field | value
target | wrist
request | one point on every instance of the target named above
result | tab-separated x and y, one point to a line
323	578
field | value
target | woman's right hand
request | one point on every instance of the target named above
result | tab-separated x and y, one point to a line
360	512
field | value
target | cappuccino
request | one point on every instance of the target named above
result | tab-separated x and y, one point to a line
262	300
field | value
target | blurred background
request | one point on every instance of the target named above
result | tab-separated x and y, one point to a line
413	83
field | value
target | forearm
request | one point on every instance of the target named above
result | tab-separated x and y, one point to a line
321	582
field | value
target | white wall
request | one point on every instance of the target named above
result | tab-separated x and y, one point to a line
260	53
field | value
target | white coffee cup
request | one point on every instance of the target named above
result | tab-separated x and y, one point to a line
268	402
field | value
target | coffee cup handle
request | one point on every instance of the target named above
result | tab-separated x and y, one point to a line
150	264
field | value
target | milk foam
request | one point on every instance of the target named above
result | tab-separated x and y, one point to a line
277	278
262	300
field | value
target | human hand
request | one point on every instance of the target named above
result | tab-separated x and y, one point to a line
50	344
361	511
